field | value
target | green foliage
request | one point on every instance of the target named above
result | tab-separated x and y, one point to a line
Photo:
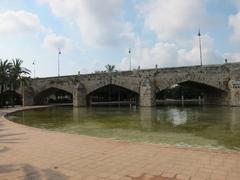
110	68
12	76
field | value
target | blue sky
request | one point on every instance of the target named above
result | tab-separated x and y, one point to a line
93	33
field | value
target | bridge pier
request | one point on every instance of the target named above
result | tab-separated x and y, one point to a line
234	92
79	97
231	97
147	93
27	97
217	99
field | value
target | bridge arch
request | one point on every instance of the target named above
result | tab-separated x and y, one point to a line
191	90
132	86
53	95
189	81
168	79
11	98
112	94
43	87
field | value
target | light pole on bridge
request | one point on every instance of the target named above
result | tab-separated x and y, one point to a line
130	59
200	46
34	69
59	53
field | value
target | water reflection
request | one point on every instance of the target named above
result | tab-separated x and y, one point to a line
172	115
234	121
176	116
75	114
147	117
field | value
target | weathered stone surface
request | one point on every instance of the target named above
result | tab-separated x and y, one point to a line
147	93
79	96
222	79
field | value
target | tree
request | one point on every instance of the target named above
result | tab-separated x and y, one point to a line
12	76
4	77
17	75
17	72
110	68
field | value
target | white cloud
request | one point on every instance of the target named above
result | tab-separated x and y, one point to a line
166	54
52	41
20	22
100	22
23	22
234	22
192	57
172	18
162	54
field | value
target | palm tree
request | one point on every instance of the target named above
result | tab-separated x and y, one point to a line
110	68
17	73
5	67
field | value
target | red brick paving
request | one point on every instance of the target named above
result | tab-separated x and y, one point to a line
30	153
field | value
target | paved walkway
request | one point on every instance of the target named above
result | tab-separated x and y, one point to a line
30	153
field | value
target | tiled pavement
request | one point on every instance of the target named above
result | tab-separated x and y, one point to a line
29	153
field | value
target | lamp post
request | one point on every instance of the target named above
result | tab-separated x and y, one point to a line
200	47
130	59
59	53
23	94
34	69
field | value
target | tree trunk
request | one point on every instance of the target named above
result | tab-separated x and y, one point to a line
13	91
1	96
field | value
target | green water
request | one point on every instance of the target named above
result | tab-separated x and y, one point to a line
195	126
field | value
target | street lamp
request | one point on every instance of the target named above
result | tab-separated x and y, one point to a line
200	47
34	69
59	53
130	59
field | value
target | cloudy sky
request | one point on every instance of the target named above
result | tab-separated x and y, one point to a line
93	33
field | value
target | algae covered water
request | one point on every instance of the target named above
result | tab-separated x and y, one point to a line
211	126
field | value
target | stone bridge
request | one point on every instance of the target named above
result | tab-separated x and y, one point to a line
220	84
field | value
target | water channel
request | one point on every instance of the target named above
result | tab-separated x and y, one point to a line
204	126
